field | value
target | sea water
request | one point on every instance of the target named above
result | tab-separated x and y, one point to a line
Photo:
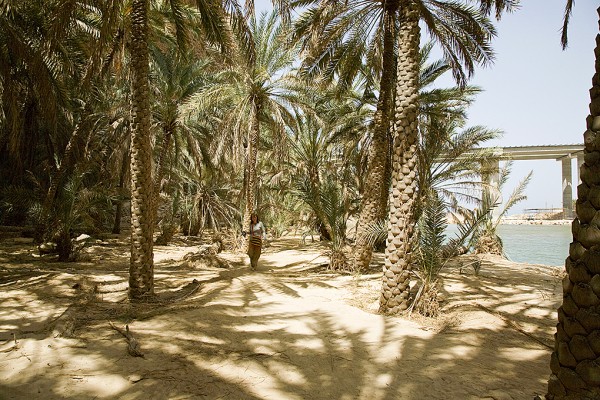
534	244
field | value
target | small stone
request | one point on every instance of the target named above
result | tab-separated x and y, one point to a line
134	378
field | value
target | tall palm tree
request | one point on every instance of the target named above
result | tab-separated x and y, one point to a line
257	92
98	17
339	37
141	267
324	174
464	35
178	78
216	24
574	364
448	166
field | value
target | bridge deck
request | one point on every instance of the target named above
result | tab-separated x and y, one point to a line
556	152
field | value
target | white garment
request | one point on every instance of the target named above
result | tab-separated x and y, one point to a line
258	229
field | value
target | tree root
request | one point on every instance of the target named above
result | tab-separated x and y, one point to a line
514	325
15	346
133	346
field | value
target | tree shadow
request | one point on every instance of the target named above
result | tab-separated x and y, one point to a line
239	334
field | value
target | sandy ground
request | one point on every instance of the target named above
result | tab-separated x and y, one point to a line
291	330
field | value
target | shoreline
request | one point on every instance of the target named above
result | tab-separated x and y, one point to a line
520	221
508	221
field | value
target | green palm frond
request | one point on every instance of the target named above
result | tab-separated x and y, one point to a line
564	34
498	6
336	39
516	196
462	32
376	233
432	227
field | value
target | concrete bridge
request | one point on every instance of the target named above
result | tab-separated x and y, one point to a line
563	153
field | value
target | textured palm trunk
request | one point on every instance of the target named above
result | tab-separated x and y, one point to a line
120	189
575	361
373	203
68	162
141	267
315	187
66	166
161	165
398	253
251	187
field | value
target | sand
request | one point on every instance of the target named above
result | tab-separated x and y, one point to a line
291	330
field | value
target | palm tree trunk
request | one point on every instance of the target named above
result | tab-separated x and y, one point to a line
398	253
141	267
324	226
373	202
574	363
251	187
119	209
57	178
68	162
168	130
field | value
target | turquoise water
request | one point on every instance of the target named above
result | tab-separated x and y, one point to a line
535	244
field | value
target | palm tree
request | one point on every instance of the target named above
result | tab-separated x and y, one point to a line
49	59
574	362
99	18
257	93
217	22
449	165
324	176
464	35
339	37
178	78
486	239
141	267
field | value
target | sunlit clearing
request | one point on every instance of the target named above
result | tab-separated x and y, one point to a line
517	354
101	386
310	343
288	373
457	351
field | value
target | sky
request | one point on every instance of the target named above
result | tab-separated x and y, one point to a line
535	92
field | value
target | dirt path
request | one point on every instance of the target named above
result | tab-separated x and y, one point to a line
287	331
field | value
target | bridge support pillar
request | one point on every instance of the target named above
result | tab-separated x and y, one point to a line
567	188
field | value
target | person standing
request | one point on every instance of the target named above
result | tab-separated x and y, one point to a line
257	234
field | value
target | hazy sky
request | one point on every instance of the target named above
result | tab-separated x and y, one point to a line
535	92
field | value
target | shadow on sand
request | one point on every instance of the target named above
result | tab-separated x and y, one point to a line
276	333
